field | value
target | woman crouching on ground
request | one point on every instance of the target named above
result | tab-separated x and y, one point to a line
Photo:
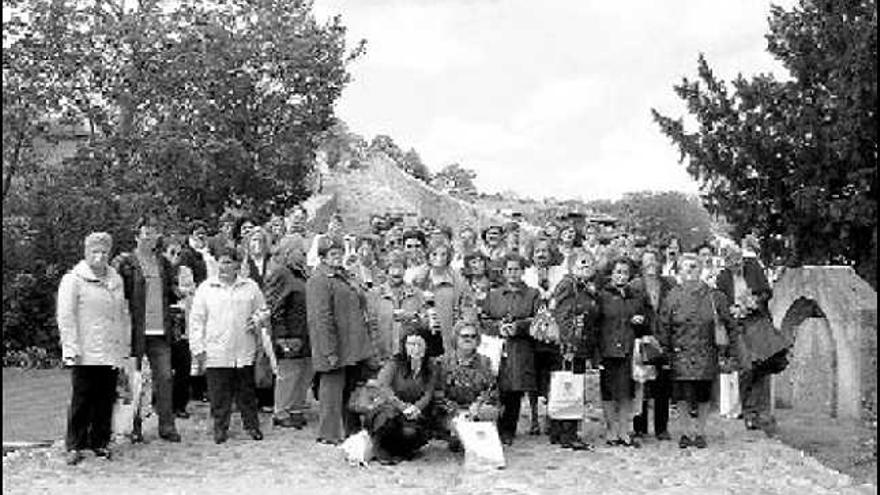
401	426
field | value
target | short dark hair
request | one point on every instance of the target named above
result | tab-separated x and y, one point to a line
507	258
220	250
414	234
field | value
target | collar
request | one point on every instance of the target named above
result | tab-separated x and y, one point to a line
84	271
239	281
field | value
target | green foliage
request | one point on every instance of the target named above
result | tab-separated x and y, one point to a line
409	161
190	107
795	160
460	179
661	215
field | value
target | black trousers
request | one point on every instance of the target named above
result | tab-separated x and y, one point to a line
511	402
91	407
226	384
181	364
660	390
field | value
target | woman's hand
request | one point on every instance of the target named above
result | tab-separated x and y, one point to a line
411	412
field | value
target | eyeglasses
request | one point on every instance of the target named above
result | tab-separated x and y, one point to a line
413	246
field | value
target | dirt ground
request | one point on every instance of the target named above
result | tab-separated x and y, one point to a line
289	461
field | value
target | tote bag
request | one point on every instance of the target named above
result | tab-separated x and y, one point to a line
729	404
566	399
482	445
492	347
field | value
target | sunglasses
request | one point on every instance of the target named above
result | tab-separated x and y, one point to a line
414	246
467	336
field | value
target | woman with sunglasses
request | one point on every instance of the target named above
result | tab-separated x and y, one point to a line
469	386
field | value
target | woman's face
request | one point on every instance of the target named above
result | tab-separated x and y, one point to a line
97	256
583	267
541	256
439	257
705	255
620	274
493	237
552	231
412	246
467	237
650	264
246	228
513	271
513	239
467	340
228	268
335	257
567	236
477	266
415	347
255	244
365	251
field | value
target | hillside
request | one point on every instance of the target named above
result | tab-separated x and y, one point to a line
377	186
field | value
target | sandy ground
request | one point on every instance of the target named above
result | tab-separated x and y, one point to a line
290	462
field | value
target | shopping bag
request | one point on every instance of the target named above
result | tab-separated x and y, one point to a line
482	445
492	347
358	448
592	395
729	402
566	399
123	418
641	371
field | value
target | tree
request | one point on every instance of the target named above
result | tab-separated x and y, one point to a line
660	215
458	178
795	160
192	107
412	163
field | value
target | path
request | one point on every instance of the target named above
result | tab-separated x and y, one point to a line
289	461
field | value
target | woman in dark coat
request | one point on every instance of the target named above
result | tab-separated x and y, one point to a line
622	318
255	244
575	310
655	288
402	426
687	334
508	312
339	338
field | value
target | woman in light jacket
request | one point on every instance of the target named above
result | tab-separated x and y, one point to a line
95	331
224	338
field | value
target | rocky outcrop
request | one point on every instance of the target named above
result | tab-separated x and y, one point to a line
833	312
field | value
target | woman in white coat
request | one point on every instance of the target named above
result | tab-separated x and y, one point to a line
224	338
95	332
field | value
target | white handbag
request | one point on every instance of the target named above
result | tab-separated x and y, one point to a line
492	347
482	445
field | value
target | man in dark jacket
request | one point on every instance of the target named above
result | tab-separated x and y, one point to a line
195	255
149	281
285	289
339	338
748	292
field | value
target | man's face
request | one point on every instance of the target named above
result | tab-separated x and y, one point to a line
365	251
467	237
199	237
477	265
689	269
493	237
415	347
513	271
567	235
172	253
412	246
672	250
467	339
705	255
552	231
541	256
335	257
583	266
255	244
226	227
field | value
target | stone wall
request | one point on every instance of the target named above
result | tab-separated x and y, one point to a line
841	299
869	364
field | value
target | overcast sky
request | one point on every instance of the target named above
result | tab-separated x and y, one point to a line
543	98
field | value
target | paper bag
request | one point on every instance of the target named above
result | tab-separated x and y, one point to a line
492	347
566	399
729	404
482	445
123	418
358	448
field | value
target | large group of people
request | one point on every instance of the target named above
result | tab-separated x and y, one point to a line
383	327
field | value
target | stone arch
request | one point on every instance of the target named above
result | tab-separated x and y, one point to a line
837	296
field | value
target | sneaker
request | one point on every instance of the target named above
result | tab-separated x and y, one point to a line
103	452
684	442
74	457
700	442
